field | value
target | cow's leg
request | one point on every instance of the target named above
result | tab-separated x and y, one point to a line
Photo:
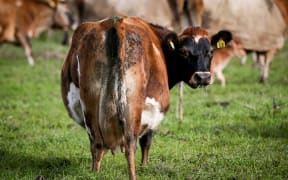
186	11
260	64
267	61
80	4
97	152
145	143
264	71
24	40
96	141
264	66
65	40
174	7
243	60
255	59
221	77
179	113
130	145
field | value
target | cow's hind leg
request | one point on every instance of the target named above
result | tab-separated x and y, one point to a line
265	63
25	41
145	143
130	144
221	77
97	152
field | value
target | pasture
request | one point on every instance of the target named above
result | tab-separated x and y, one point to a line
227	133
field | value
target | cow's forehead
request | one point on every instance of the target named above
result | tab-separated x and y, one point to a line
196	47
195	31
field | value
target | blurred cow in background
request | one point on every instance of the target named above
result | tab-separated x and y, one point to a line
21	20
80	7
261	25
283	7
156	12
178	14
186	13
221	58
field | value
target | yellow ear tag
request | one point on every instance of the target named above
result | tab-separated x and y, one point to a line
221	43
172	44
52	3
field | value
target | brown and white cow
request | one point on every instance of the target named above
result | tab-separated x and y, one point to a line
221	58
22	20
116	78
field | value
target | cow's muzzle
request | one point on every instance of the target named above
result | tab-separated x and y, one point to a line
200	79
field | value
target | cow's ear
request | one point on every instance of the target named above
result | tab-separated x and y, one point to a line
52	3
220	39
171	42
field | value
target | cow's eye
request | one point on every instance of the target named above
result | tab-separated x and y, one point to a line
184	52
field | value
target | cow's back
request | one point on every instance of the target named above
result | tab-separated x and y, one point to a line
115	64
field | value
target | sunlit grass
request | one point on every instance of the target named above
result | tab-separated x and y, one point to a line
227	133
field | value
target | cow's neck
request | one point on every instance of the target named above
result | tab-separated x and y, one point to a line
160	31
174	69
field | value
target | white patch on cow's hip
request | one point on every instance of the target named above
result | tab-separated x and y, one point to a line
77	107
78	66
151	115
74	106
80	103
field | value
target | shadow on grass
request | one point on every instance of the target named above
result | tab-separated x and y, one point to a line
35	166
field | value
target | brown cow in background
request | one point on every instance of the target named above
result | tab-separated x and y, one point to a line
178	14
261	25
21	20
156	12
186	13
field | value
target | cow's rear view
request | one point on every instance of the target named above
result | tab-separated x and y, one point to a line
117	75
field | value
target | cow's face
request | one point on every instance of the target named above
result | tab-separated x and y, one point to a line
194	55
197	54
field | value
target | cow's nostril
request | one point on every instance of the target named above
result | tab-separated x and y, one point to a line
197	77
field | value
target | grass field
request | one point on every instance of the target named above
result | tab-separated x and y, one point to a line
227	133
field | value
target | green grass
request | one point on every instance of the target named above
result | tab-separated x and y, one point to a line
247	139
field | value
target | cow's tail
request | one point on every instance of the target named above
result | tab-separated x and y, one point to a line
116	86
118	70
